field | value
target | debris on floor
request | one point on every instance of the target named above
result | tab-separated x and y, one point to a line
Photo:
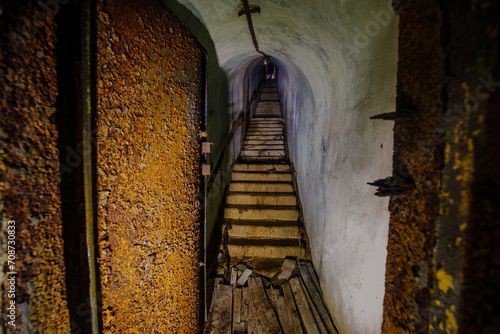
289	303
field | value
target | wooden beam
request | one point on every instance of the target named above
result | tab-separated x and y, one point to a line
295	323
238	324
305	312
280	307
316	299
267	321
248	307
234	276
317	317
312	273
244	277
222	309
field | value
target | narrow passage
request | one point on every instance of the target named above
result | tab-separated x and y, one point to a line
270	285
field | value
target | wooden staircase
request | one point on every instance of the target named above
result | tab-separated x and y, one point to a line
261	212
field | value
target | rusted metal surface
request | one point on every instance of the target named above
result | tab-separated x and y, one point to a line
417	159
29	169
150	104
443	263
248	12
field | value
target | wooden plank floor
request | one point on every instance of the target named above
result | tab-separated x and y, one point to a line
258	305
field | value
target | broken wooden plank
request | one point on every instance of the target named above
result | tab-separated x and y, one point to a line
244	277
312	273
266	319
280	307
217	282
222	309
317	317
292	310
305	312
251	321
288	264
234	276
285	273
245	300
316	300
237	301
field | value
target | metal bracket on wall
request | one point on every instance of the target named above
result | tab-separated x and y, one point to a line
205	147
205	169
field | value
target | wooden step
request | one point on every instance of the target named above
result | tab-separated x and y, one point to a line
266	120
261	176
253	142
246	198
261	168
264	137
263	232
266	187
263	147
269	128
262	153
263	159
248	212
271	252
271	132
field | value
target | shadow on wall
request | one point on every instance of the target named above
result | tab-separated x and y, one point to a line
217	105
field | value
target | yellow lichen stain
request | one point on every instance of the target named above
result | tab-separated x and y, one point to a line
458	241
462	227
451	321
477	132
464	203
445	280
465	164
444	198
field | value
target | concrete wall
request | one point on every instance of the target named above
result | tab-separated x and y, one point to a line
339	61
336	149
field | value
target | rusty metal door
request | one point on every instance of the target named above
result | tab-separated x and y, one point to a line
150	110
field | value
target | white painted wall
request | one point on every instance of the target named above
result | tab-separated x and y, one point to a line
340	59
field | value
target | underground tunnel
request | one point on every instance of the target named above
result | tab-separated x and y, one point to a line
124	128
